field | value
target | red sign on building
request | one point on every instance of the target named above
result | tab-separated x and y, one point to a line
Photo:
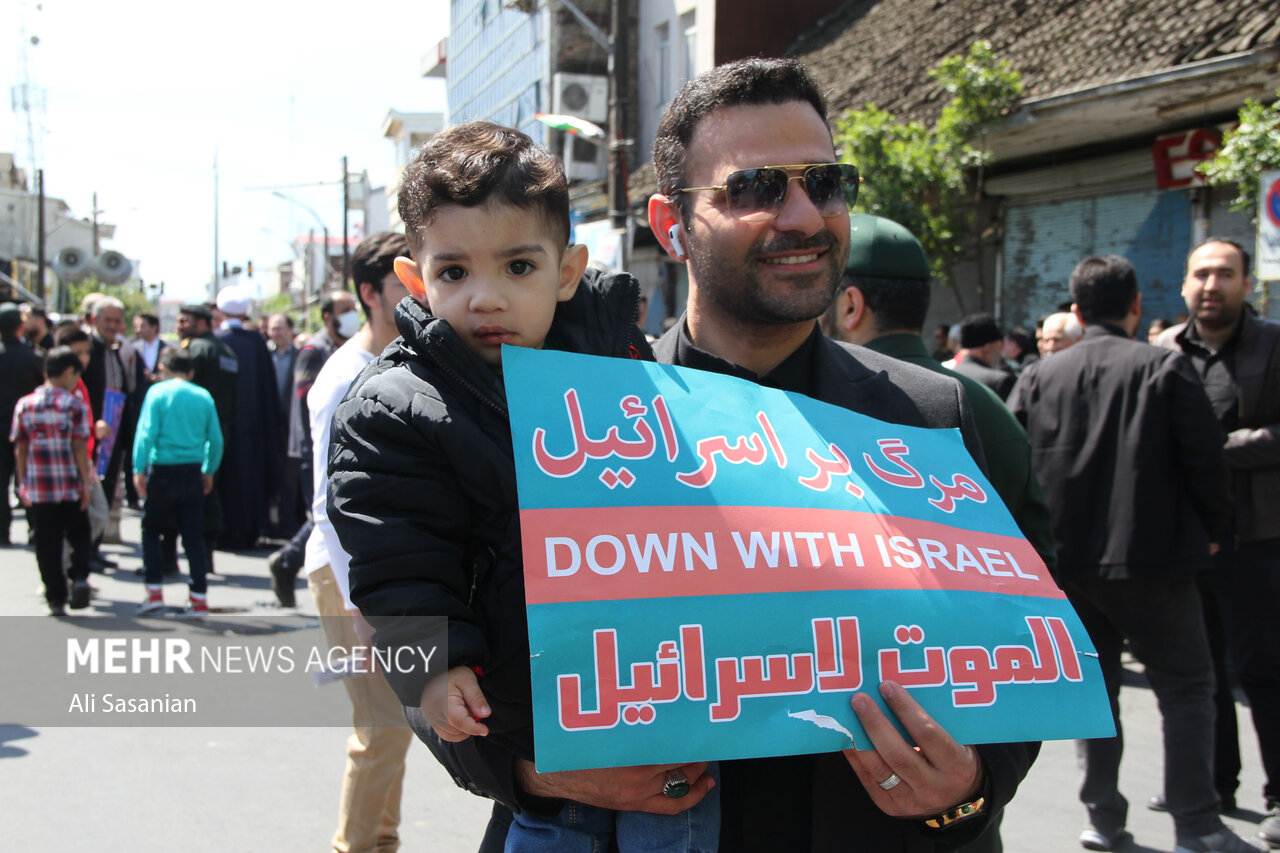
1176	155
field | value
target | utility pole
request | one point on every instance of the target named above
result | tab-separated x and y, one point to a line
313	286
40	247
619	98
346	248
615	46
213	282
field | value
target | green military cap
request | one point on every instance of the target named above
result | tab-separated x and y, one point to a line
882	248
198	310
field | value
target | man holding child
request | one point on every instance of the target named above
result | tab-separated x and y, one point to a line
423	481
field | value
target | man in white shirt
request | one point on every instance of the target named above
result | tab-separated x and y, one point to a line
369	813
148	343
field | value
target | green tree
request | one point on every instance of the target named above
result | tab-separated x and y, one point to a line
134	299
929	178
1247	152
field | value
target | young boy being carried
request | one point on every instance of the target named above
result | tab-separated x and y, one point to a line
422	478
50	432
176	450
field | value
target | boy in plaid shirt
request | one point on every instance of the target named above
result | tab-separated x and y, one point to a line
50	436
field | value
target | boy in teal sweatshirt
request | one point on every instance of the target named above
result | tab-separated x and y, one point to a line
176	450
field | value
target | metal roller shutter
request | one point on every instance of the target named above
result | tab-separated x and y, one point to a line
1045	240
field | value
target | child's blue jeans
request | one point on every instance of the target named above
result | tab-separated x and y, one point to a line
588	829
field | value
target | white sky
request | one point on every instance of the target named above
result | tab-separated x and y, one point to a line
140	94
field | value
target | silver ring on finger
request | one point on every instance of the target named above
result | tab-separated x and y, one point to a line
890	783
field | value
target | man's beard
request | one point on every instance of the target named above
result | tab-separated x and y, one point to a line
737	289
1219	318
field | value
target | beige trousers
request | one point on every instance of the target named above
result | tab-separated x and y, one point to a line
369	810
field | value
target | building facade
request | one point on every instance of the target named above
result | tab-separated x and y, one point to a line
1121	100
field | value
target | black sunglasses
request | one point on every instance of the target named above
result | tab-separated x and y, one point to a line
757	195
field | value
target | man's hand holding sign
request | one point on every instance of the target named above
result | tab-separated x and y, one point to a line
905	781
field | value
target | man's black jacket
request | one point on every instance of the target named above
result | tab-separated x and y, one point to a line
1129	454
21	372
1253	447
815	802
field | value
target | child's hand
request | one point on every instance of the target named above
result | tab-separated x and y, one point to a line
454	705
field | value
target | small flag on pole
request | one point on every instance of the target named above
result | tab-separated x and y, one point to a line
572	124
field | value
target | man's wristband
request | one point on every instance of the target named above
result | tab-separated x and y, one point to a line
959	814
975	808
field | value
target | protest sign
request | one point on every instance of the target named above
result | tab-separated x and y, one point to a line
113	414
714	568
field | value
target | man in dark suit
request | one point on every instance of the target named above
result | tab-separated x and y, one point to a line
764	262
982	352
21	372
289	511
340	318
1237	355
249	468
1129	452
113	366
36	331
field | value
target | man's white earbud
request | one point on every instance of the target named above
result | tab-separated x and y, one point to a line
673	233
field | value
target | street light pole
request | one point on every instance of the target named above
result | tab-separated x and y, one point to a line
615	45
325	265
40	240
213	282
619	97
346	247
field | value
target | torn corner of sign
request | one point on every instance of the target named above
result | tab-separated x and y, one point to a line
822	721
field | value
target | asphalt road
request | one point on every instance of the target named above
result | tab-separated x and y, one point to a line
275	788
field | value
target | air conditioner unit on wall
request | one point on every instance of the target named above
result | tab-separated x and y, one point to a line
582	95
583	160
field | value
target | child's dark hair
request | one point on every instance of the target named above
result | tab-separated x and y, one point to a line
176	360
68	335
474	162
58	359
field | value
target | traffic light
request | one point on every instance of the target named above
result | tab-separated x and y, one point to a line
249	269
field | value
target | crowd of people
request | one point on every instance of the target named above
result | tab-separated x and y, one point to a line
1143	473
258	464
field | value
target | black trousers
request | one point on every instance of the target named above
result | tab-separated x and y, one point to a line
6	480
1226	732
51	523
1246	580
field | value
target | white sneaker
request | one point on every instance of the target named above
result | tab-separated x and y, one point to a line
1095	839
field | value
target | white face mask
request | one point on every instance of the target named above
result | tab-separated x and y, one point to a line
348	324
